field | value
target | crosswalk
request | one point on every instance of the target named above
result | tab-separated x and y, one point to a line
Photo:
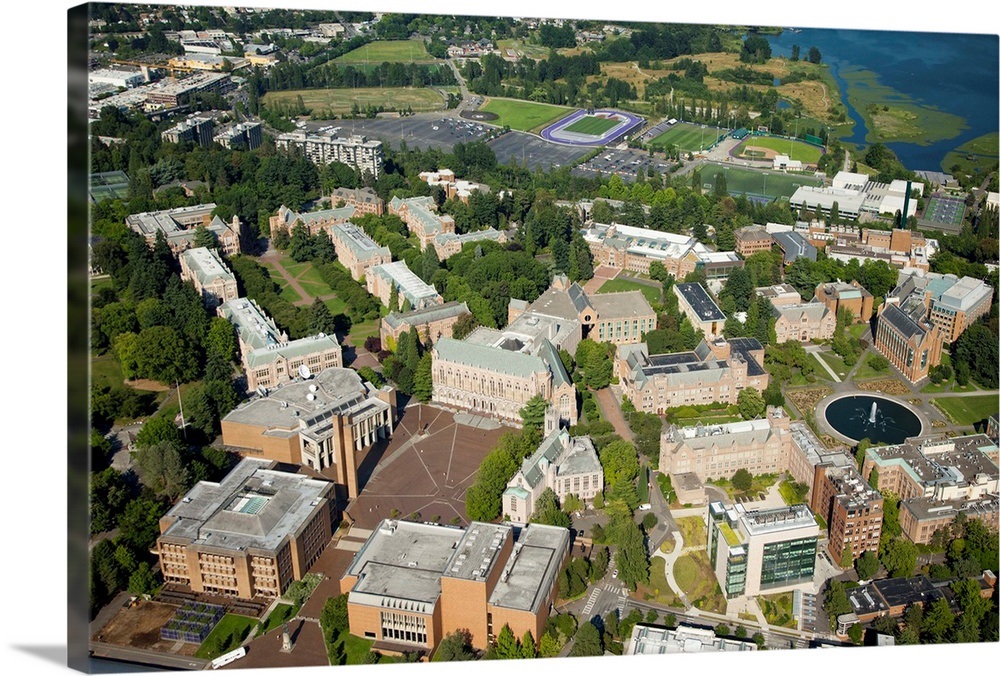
620	594
594	595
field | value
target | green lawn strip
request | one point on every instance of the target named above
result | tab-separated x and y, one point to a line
692	531
699	581
788	493
967	410
282	613
335	305
228	634
359	332
98	284
105	370
857	329
935	389
311	275
836	363
316	288
289	294
524	115
295	269
659	589
651	293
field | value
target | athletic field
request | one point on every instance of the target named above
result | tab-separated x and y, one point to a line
593	125
687	137
393	51
796	150
341	100
753	183
523	115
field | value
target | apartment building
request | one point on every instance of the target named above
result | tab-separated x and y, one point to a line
210	276
364	200
951	304
267	356
751	239
620	318
567	465
851	509
779	294
495	373
717	451
381	279
172	92
196	129
356	250
715	371
853	297
699	307
630	248
765	551
447	244
241	136
179	225
314	221
421	217
356	152
936	479
805	322
250	535
432	323
412	584
323	422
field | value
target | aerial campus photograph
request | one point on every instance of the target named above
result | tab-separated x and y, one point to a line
423	337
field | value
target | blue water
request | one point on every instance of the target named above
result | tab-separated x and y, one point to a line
956	73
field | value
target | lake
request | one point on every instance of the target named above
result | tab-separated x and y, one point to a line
956	73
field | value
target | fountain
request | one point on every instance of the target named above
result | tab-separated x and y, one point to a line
873	417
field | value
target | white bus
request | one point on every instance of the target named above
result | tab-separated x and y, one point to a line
231	656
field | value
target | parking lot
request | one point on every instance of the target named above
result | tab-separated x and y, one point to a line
419	131
534	152
625	163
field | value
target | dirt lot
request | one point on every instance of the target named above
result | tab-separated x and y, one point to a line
139	627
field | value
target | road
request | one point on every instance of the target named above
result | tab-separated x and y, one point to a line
141	656
466	97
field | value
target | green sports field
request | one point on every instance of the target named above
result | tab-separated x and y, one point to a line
593	125
393	51
341	100
687	137
796	150
740	181
523	115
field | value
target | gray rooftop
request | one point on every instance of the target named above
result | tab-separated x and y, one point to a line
651	640
411	287
621	304
531	571
253	507
794	245
509	362
779	519
433	313
813	312
363	246
697	298
255	328
206	265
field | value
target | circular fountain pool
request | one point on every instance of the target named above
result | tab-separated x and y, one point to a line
874	417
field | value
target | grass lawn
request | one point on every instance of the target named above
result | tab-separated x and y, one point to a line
524	115
335	305
967	410
687	137
777	609
694	575
935	389
857	329
651	293
788	493
359	332
692	531
836	363
658	589
341	100
405	51
105	370
977	155
98	284
796	150
281	613
740	181
227	635
355	647
866	371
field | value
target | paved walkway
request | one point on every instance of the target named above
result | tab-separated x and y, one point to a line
668	566
822	362
274	258
608	403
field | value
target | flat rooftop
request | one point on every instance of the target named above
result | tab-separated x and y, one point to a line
206	264
253	507
697	298
759	522
651	640
531	571
255	328
409	285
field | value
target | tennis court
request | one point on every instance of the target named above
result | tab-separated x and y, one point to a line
688	137
756	183
945	210
108	185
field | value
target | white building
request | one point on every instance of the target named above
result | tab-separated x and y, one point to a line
356	151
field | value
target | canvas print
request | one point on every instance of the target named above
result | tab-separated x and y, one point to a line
428	337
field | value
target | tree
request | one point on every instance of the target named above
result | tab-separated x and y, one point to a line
455	647
599	564
162	469
742	480
847	556
139	525
506	646
334	618
528	650
722	630
835	601
587	642
751	403
632	560
900	557
423	384
322	319
937	622
463	326
756	49
142	580
533	412
856	633
611	623
814	55
203	237
108	495
867	565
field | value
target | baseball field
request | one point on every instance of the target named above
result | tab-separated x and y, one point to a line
796	150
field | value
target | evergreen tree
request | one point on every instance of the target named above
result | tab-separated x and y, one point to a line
423	385
322	319
394	299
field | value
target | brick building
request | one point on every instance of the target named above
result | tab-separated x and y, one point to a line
250	535
853	296
751	239
851	509
806	322
421	217
412	584
210	276
179	225
704	313
630	248
364	200
950	303
432	323
314	221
